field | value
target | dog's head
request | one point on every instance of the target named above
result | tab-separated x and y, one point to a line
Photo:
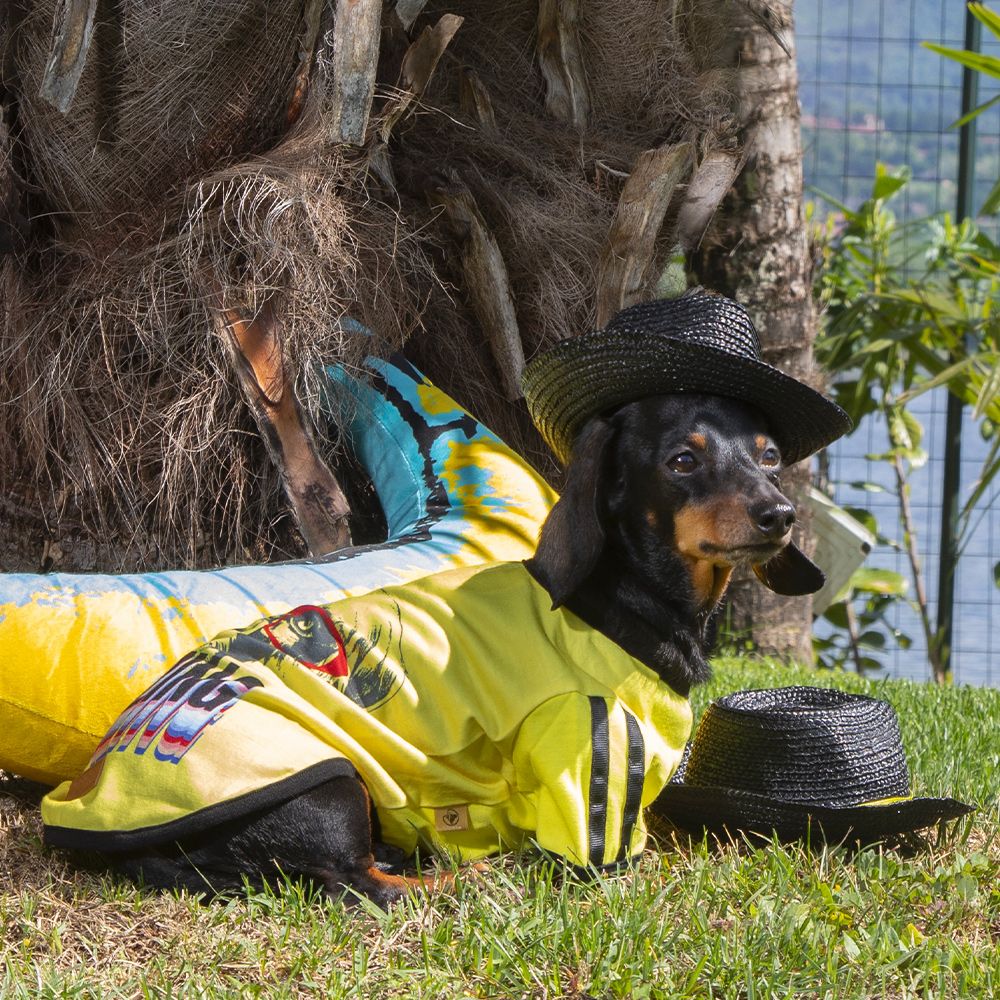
669	481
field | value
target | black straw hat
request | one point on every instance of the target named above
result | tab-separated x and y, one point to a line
787	759
701	343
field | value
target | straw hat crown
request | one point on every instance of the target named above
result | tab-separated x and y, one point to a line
698	343
783	759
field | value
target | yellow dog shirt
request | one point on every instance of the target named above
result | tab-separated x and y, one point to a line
478	718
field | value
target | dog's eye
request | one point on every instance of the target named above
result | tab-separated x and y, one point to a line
684	462
771	458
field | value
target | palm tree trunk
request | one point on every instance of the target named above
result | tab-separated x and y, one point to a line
758	251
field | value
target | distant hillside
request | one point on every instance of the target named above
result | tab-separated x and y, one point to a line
870	92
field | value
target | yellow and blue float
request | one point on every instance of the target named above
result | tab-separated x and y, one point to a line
75	649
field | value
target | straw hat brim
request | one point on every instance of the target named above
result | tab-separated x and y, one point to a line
698	809
585	376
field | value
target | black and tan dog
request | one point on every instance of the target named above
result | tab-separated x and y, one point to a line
667	492
663	500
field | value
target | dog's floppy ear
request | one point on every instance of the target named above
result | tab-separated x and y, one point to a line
573	534
790	573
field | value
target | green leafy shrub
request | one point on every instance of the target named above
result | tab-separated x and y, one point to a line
908	306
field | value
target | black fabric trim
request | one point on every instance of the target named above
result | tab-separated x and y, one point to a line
597	799
634	782
149	836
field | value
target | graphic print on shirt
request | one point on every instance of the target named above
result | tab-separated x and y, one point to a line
170	716
365	665
167	719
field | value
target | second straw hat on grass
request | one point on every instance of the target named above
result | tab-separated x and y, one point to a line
798	759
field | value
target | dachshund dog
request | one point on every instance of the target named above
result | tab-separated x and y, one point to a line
663	499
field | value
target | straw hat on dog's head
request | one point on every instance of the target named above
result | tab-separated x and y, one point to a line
790	760
698	343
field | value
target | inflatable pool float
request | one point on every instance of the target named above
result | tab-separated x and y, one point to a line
75	649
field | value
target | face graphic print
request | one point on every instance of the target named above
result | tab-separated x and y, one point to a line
366	666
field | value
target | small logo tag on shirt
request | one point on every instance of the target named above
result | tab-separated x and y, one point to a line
448	818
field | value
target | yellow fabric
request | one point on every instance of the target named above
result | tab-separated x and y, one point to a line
460	696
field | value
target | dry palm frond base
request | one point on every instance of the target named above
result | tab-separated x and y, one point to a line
193	172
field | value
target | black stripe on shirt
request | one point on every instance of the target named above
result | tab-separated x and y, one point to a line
634	782
597	800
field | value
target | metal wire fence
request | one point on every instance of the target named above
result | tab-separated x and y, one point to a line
870	93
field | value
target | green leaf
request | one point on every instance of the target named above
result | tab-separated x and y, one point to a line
983	14
989	65
942	377
965	119
988	392
888	183
872	639
872	580
992	204
903	435
830	200
850	946
836	614
967	887
929	301
914	429
863	517
996	574
933	362
877	346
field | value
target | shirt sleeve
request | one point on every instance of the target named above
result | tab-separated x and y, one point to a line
581	761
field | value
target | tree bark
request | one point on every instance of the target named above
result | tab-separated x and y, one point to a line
630	250
356	32
561	61
486	282
758	252
320	506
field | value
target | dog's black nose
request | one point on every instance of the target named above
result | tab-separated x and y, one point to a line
773	519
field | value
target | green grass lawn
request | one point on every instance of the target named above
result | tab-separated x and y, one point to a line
688	921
